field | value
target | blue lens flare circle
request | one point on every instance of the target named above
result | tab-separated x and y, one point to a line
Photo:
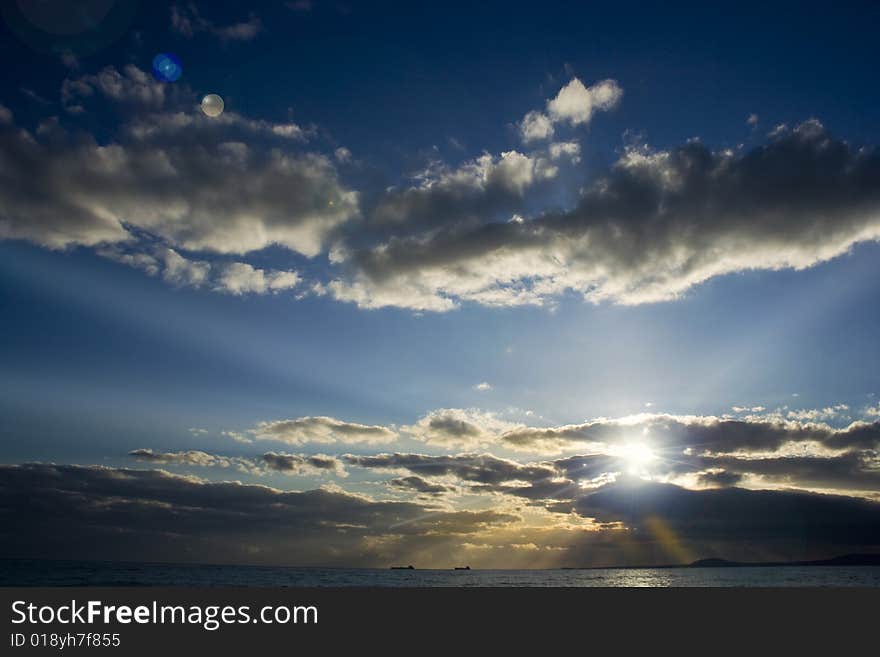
167	67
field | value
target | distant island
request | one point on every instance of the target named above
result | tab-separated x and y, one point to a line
843	560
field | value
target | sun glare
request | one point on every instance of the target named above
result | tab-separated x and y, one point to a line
637	456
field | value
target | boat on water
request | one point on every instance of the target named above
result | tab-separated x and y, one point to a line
409	567
462	568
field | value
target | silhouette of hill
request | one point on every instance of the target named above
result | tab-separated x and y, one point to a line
843	560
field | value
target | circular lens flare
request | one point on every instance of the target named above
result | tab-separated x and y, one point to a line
167	67
212	105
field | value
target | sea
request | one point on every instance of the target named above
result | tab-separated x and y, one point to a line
27	572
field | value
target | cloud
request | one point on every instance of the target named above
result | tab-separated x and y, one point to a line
719	478
701	434
748	409
132	87
818	414
270	461
567	149
241	278
182	272
857	471
574	104
536	126
421	486
727	515
650	229
230	128
215	195
582	505
486	184
298	464
322	429
236	278
191	457
75	512
474	468
187	22
457	427
693	450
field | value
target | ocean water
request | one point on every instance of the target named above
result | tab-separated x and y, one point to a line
14	572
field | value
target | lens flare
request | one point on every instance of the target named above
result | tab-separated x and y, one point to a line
212	105
167	67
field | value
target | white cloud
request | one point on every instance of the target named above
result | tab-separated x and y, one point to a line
235	278
535	126
185	273
653	227
195	189
568	149
818	414
321	429
575	104
131	86
241	278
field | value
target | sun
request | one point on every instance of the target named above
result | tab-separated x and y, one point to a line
636	455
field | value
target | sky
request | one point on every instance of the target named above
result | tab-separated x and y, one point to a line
503	285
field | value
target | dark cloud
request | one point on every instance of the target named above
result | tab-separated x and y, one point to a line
655	225
187	21
720	478
538	482
476	468
107	513
286	463
190	457
420	485
297	463
856	470
734	514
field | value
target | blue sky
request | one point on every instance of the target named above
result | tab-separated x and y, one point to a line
369	233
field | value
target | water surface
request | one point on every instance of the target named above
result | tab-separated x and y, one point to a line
15	572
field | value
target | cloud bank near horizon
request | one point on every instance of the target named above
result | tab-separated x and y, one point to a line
151	515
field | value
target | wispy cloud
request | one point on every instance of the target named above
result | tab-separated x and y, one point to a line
187	21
